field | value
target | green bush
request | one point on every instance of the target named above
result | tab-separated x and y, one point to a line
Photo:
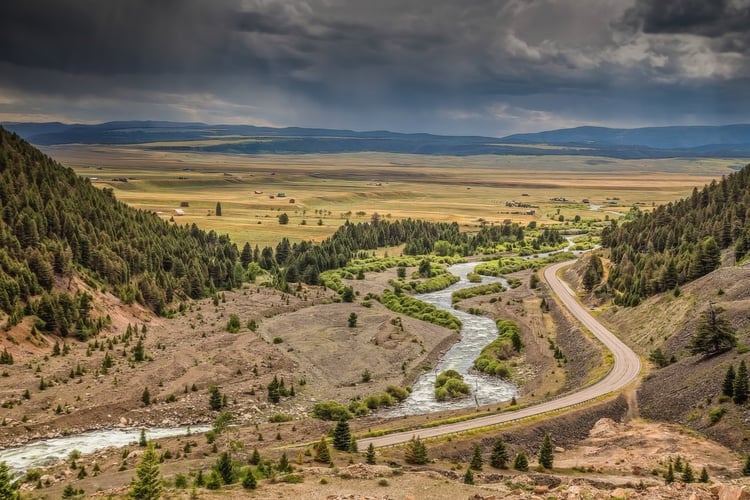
716	414
277	418
331	410
476	291
507	345
415	308
233	325
450	384
507	265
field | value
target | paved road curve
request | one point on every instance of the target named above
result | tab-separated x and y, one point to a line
625	369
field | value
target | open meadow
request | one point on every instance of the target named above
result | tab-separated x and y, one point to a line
321	191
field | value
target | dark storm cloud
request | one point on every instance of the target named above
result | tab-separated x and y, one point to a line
486	66
712	18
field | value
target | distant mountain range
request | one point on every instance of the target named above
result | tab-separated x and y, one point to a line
727	141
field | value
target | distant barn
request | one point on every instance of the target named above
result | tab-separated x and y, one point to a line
184	204
179	211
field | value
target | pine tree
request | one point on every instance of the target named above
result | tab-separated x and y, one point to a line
146	397
678	464
521	462
142	441
246	257
200	480
70	492
468	477
727	387
476	459
687	473
138	352
370	455
7	486
147	483
249	482
669	476
255	457
214	398
499	457
416	452
741	384
225	468
352	321
322	454
746	467
714	334
342	436
546	452
218	209
704	475
274	393
214	480
284	463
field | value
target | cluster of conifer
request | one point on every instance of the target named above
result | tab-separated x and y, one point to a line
55	225
305	261
681	241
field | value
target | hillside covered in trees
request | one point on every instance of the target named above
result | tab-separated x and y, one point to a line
680	241
55	225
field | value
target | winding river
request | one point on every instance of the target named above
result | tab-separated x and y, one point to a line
476	333
49	451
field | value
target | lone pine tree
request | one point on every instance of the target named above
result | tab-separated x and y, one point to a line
342	436
740	390
416	452
225	468
521	462
714	334
322	454
499	456
476	459
727	387
546	452
147	483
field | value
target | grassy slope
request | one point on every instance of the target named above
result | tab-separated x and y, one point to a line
687	390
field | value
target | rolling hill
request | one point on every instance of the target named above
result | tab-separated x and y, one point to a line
730	141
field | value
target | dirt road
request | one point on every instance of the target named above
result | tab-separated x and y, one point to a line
625	369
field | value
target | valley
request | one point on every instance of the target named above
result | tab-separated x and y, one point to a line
280	343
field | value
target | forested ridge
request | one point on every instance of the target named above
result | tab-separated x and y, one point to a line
56	224
680	241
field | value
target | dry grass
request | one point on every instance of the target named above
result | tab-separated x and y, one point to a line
332	188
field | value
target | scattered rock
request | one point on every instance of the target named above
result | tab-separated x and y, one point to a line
541	489
732	492
605	427
621	493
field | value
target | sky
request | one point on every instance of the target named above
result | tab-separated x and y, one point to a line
472	67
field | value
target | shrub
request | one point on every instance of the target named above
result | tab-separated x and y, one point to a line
277	418
331	410
450	384
233	325
716	414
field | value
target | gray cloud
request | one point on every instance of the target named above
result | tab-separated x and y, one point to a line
489	67
714	18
